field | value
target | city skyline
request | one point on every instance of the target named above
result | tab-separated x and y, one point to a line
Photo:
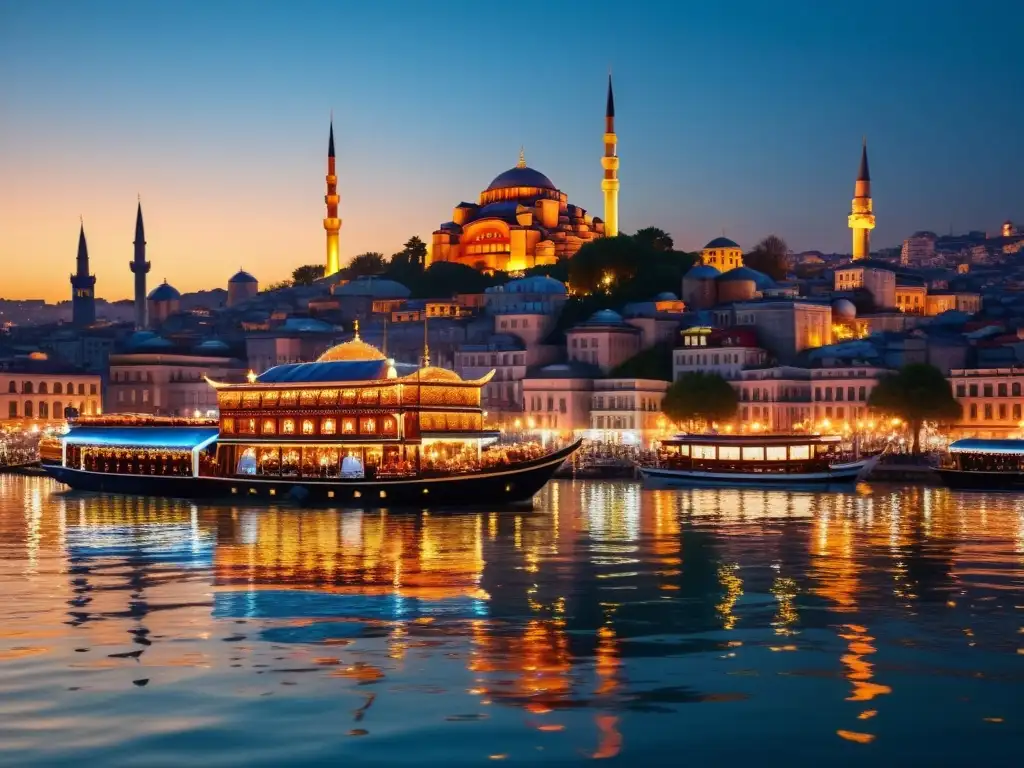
221	127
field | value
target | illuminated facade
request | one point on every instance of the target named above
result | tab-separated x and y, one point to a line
332	224
862	217
39	396
610	164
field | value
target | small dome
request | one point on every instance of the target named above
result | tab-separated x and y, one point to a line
212	345
520	177
702	272
534	284
433	373
606	317
721	242
242	277
760	279
156	342
844	309
666	296
164	292
376	287
353	350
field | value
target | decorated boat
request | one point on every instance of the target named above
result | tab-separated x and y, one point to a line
989	465
352	428
784	461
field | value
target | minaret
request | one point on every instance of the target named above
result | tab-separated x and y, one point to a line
332	223
140	267
83	285
610	163
861	218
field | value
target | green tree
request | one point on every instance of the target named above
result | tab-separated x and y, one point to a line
697	397
307	274
654	239
655	362
366	264
279	285
407	265
916	393
770	256
602	264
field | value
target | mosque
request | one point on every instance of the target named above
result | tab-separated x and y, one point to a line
522	219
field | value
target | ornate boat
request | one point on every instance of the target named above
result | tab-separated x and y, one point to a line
783	461
986	465
352	429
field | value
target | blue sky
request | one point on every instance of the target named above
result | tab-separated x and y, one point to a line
739	116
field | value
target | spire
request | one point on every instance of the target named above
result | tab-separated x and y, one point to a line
610	108
330	141
522	158
140	232
863	174
83	251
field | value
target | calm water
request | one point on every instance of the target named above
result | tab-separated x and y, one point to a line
637	626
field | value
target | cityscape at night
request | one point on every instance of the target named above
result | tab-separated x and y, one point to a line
429	383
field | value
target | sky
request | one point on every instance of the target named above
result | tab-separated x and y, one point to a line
742	117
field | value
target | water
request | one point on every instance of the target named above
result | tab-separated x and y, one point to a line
639	626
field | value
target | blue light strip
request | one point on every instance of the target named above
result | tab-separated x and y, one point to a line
180	438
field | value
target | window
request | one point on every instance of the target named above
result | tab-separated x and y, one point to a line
974	411
228	425
862	394
269	427
753	453
561	405
70	388
12	409
729	453
800	452
28	409
1015	389
367	426
974	390
703	451
1016	412
145	395
775	453
43	388
92	389
839	394
58	410
307	427
988	412
1002	411
850	392
329	426
987	388
348	426
81	389
288	427
44	411
26	387
120	395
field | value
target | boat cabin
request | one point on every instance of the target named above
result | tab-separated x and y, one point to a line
976	455
752	453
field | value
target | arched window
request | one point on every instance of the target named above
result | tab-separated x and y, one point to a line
28	409
81	389
57	389
71	388
44	410
12	410
58	409
26	387
42	388
307	427
12	386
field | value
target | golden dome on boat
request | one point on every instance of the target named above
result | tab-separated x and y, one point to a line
353	350
433	373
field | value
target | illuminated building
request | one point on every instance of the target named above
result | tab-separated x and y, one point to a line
156	378
722	253
880	283
725	352
628	410
83	287
862	218
522	220
140	268
332	224
38	391
784	328
604	340
991	401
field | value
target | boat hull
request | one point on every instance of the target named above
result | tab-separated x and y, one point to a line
837	475
981	481
512	485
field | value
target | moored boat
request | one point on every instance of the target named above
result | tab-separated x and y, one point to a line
352	428
989	465
784	461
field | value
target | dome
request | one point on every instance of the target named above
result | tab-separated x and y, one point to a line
535	284
156	342
376	287
844	309
242	277
606	317
702	272
666	296
164	292
348	351
721	242
760	279
433	373
212	345
520	177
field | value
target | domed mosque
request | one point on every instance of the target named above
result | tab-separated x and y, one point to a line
523	220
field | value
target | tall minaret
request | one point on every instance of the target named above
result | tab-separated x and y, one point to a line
83	285
140	267
861	218
610	163
332	223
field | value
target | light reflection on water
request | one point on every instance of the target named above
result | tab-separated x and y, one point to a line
824	627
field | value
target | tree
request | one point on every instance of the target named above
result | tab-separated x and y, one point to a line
408	264
366	264
916	393
307	274
655	362
654	239
601	264
698	396
279	285
770	256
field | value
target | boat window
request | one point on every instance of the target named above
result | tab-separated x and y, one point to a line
247	426
288	426
348	426
352	464
684	450
367	426
348	397
388	426
797	452
247	462
227	425
269	461
307	427
753	453
269	426
329	426
821	448
290	462
703	451
729	453
775	453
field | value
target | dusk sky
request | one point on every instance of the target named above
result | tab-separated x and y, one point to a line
740	116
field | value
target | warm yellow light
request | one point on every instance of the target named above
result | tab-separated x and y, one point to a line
896	422
517	424
826	423
251	376
530	422
728	428
756	426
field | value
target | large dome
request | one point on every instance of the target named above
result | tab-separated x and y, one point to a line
354	350
521	177
164	292
721	242
241	276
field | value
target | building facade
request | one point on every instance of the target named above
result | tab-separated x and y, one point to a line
992	400
167	384
39	395
628	410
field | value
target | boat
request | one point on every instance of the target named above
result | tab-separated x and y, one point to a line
352	428
783	461
988	465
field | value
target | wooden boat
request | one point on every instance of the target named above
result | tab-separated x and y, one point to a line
352	428
783	461
984	465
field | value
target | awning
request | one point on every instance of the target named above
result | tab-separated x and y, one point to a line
974	445
177	438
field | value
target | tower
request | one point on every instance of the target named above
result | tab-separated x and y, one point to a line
83	285
140	267
610	163
862	219
332	224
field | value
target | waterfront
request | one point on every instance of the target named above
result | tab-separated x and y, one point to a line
612	622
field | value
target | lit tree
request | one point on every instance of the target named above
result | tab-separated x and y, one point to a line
916	393
697	397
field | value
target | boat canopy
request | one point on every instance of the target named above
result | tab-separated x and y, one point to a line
172	438
751	440
345	370
975	445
